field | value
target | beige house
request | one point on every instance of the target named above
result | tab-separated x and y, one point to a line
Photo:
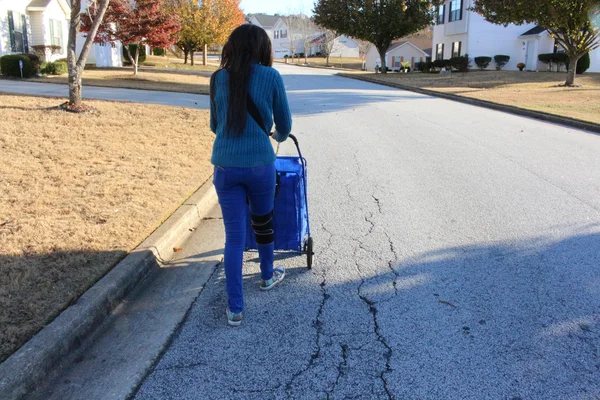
398	53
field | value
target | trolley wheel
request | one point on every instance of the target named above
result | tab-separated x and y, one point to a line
309	253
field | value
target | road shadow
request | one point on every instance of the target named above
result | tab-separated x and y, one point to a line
518	319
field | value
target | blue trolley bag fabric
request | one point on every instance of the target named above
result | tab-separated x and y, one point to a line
290	214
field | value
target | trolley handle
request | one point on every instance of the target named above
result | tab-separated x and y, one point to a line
293	137
295	140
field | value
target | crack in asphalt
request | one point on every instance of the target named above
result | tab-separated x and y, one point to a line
318	324
340	368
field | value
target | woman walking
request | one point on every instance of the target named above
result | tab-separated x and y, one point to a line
247	98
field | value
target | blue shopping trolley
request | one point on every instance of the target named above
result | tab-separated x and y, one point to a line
290	217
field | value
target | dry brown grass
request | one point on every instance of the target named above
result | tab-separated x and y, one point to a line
531	90
77	192
171	82
172	62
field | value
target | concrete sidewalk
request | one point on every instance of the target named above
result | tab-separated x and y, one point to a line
104	93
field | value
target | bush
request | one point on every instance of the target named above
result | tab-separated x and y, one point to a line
158	52
9	66
36	62
501	61
546	58
554	58
132	48
461	63
441	63
483	62
521	66
55	68
423	66
583	64
561	59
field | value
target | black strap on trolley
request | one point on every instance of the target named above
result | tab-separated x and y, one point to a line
255	114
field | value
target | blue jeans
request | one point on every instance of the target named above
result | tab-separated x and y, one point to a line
234	186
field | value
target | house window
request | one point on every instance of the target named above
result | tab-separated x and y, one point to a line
439	51
17	25
283	34
455	10
56	33
441	13
456	48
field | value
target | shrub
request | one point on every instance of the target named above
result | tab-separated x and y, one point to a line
461	63
560	59
9	65
158	51
546	58
441	63
36	62
483	62
521	66
420	66
501	61
583	64
132	48
55	68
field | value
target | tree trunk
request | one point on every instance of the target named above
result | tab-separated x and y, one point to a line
137	58
75	85
205	55
76	65
185	55
192	56
382	52
572	70
328	59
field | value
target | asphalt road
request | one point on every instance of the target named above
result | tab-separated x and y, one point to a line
458	257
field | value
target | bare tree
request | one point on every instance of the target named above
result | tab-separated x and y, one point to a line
363	48
293	32
76	65
307	33
329	42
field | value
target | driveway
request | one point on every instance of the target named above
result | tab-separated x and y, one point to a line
458	254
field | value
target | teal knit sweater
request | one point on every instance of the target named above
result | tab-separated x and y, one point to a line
253	148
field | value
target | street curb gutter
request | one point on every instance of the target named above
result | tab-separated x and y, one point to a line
574	123
31	363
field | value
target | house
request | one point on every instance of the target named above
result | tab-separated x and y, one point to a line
15	28
342	46
399	52
267	22
41	27
459	31
102	54
49	20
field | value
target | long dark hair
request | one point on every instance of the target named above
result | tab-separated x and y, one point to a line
246	45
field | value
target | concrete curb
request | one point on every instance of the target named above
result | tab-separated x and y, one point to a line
571	122
32	362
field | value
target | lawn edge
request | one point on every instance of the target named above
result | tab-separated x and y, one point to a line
21	372
571	122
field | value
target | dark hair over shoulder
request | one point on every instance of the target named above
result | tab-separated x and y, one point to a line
247	44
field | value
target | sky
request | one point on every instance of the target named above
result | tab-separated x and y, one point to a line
277	6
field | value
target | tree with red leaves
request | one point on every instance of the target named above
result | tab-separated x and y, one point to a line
143	22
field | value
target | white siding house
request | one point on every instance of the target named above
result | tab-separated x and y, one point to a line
459	31
399	52
345	47
25	24
49	20
15	28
